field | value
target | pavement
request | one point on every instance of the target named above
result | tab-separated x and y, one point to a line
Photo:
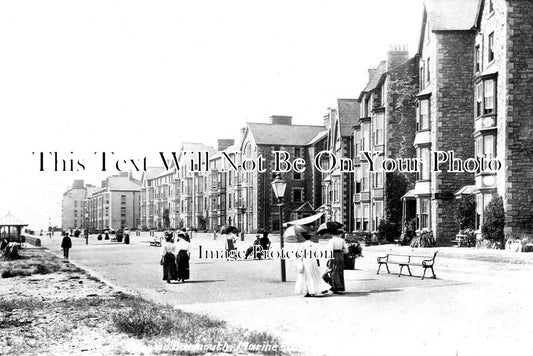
478	305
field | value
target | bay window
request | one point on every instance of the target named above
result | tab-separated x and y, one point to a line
423	213
423	115
378	128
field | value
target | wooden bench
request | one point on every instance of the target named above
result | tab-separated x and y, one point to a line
407	261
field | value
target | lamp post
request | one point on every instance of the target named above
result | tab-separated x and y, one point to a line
50	226
278	186
86	228
242	211
327	182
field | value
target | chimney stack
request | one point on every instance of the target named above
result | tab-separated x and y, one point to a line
224	143
281	120
397	55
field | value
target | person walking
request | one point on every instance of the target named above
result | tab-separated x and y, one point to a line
337	247
66	244
183	247
168	259
309	279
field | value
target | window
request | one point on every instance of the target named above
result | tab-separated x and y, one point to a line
123	211
378	173
296	176
425	164
230	178
422	82
423	115
479	99
478	59
365	186
485	147
424	213
297	195
378	213
366	212
123	199
298	152
488	97
428	70
491	47
75	203
378	128
75	213
358	217
274	218
365	139
357	143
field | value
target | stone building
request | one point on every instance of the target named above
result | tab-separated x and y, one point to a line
339	186
502	72
445	108
476	100
385	129
72	205
116	204
156	198
303	193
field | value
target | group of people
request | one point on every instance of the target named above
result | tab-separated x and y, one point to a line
310	280
175	256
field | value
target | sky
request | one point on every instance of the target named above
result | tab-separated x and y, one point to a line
139	77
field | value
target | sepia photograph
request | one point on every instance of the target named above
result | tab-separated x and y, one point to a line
275	177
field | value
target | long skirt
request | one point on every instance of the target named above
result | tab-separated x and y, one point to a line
335	274
183	265
310	281
169	267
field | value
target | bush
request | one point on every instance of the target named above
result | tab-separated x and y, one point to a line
388	231
409	232
465	212
468	239
364	236
494	220
425	239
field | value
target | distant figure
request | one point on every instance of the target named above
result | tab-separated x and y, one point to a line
185	236
127	236
168	259
66	244
265	241
255	248
106	235
183	248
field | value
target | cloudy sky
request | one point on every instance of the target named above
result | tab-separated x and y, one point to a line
139	77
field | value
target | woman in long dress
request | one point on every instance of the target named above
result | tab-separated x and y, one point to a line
183	247
337	247
310	280
168	259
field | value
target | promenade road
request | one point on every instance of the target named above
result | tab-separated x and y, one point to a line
479	305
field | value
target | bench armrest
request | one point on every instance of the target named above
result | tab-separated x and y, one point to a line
383	258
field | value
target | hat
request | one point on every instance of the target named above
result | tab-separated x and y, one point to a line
330	227
228	229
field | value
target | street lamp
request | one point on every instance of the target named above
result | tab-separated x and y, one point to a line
86	228
242	211
278	186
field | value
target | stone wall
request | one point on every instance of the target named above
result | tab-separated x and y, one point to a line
453	126
519	118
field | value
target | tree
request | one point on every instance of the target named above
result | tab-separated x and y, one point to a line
465	212
494	220
166	219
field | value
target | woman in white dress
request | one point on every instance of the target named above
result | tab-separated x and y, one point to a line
309	281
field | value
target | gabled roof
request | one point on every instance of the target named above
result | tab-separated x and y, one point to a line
152	172
452	15
318	137
10	220
285	135
197	147
348	115
375	80
305	207
122	183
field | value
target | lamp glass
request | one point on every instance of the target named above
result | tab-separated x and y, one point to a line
279	185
